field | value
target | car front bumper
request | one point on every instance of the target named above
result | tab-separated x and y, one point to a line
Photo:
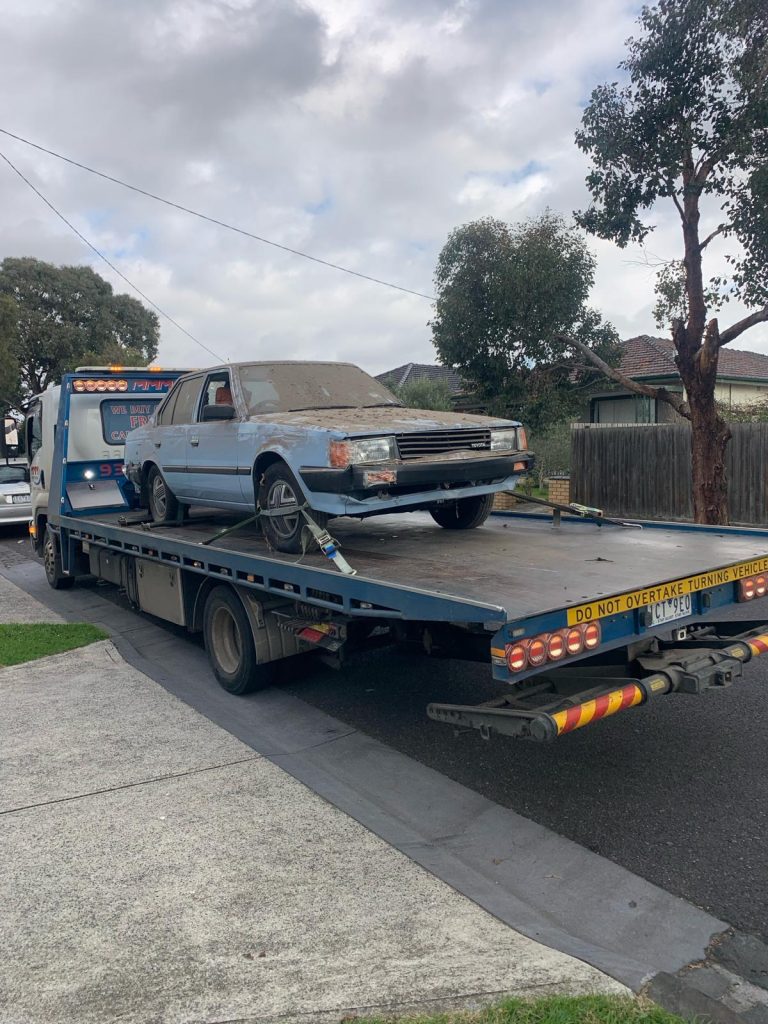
12	514
402	477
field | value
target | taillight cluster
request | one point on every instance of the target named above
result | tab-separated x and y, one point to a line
753	586
535	651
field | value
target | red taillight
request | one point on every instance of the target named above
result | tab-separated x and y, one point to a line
591	636
517	657
556	647
537	651
747	589
760	586
553	646
574	641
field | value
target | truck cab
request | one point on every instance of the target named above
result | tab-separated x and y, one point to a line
112	401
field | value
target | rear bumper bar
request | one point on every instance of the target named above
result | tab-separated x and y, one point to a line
688	669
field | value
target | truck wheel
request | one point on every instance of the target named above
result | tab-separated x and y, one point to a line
163	506
230	646
464	514
52	563
278	488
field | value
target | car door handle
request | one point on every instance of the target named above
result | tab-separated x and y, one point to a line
194	441
158	443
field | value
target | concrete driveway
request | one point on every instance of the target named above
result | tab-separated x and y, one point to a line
156	869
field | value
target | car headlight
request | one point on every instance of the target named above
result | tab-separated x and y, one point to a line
369	449
507	440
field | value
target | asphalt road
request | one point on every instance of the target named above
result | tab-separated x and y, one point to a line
676	791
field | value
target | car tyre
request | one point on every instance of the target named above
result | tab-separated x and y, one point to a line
464	514
230	646
52	562
279	487
163	506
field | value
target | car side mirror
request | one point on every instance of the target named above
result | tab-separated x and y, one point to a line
217	412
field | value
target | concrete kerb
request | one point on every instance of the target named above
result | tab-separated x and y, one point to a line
156	868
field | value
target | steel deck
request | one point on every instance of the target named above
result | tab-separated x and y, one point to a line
522	564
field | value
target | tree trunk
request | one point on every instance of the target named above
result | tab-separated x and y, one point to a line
709	439
710	434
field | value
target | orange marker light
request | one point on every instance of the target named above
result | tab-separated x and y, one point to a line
760	586
556	647
574	641
537	651
517	657
747	589
592	636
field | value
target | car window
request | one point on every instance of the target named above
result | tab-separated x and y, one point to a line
184	410
216	390
166	412
13	474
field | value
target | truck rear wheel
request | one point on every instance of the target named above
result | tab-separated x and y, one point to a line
230	646
52	563
464	514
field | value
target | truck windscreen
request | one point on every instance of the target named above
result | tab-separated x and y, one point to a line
119	416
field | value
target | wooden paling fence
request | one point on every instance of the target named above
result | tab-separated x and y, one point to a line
644	470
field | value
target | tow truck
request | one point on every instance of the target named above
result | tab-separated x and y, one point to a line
579	617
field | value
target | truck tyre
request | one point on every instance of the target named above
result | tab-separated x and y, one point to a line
52	563
464	514
163	506
278	487
230	646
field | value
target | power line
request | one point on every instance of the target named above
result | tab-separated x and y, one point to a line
215	220
109	263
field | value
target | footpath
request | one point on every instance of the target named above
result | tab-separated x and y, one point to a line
153	868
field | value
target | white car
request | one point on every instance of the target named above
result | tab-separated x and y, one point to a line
15	497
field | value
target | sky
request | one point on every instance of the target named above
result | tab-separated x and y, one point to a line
359	131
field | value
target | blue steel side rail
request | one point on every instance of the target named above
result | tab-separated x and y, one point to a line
327	588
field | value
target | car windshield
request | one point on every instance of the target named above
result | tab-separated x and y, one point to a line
290	387
13	475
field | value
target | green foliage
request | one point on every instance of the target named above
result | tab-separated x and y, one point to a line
425	394
10	384
506	294
27	641
752	412
552	447
594	1009
690	122
69	316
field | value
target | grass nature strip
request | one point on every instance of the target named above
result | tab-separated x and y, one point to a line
595	1009
21	642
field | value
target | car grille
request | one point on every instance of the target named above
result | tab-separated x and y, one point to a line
438	442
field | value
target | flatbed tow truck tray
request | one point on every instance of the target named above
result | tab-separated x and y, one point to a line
515	562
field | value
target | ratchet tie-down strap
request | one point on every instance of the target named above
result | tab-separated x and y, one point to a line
324	540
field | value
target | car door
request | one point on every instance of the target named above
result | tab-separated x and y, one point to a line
169	438
213	445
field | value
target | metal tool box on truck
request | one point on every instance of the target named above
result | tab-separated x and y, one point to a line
579	620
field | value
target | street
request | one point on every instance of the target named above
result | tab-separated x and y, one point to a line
674	792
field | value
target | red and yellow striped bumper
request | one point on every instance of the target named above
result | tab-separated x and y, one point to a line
607	704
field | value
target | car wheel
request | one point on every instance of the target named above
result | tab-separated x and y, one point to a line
464	514
230	646
52	562
279	489
163	506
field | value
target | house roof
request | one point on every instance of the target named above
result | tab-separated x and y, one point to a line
645	356
410	372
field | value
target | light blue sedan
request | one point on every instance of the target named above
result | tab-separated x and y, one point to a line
323	436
